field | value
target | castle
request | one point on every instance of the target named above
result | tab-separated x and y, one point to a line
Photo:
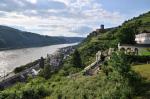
95	33
101	30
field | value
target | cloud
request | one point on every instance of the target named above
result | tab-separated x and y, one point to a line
81	30
23	5
32	1
3	14
57	17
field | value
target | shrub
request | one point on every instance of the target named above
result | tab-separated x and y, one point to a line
76	59
46	72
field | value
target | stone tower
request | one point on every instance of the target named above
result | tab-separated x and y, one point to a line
102	27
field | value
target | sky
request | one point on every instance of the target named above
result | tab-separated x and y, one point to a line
68	17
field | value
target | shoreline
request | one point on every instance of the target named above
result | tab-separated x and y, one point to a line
64	51
17	48
21	57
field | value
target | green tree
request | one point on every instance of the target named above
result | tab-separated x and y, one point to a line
76	59
41	62
46	72
119	63
126	34
122	69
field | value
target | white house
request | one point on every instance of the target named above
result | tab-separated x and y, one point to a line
143	38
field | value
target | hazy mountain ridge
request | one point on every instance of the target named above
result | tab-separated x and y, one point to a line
14	38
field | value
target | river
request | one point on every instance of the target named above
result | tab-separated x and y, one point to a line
10	59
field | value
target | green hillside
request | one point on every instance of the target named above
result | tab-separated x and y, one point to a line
144	71
145	21
13	38
115	80
124	34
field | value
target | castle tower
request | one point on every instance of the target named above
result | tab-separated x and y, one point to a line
102	27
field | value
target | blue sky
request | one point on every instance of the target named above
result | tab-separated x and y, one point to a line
68	17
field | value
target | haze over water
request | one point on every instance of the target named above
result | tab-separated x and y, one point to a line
10	59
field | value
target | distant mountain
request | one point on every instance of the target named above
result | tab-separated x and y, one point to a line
14	38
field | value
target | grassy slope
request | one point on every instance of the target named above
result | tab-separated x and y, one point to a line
144	71
92	44
145	18
144	52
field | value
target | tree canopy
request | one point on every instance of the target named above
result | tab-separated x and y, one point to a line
76	59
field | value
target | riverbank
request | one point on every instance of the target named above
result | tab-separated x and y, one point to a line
10	59
55	61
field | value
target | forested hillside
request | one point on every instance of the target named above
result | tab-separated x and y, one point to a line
13	38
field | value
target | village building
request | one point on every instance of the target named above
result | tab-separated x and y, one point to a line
142	41
143	38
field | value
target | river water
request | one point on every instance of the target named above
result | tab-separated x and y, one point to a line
10	59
